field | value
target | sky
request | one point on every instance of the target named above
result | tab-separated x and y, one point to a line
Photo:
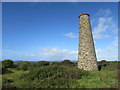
49	31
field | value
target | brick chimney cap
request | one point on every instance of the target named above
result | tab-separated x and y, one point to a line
84	14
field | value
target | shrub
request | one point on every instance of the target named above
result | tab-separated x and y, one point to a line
7	63
5	70
8	86
102	63
43	63
56	63
39	64
67	62
5	80
24	65
53	76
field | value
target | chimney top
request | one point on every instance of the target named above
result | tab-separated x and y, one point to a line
83	14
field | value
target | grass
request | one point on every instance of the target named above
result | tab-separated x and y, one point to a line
15	77
17	73
106	78
98	79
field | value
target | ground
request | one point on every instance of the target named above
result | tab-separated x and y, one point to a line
105	78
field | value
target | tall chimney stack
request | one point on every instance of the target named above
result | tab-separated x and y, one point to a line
86	54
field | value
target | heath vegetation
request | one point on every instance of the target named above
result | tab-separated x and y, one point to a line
65	74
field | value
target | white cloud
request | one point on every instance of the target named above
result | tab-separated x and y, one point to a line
98	50
103	12
115	42
105	27
33	54
109	54
58	54
104	24
51	53
99	30
71	35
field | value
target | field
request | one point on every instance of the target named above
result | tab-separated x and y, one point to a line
60	75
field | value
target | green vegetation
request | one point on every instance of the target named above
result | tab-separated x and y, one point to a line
53	76
67	62
7	63
106	78
24	65
39	64
64	74
5	70
102	63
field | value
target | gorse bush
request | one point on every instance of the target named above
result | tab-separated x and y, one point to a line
55	63
53	76
24	65
6	83
5	70
7	86
7	63
5	80
66	62
102	64
39	64
43	63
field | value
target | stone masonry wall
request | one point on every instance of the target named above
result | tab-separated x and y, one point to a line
86	54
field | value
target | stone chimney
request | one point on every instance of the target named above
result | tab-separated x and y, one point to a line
86	54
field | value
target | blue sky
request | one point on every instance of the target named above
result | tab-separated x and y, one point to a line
49	31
